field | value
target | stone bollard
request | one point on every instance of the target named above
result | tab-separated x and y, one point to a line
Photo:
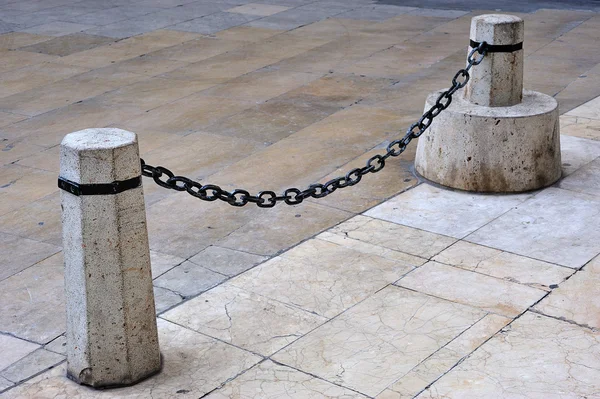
497	137
112	337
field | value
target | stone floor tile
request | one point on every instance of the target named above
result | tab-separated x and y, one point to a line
452	213
283	46
33	76
277	230
591	110
4	384
162	263
244	319
576	299
494	295
68	44
584	180
33	301
510	365
112	15
321	277
550	227
193	365
20	253
226	261
59	345
393	236
18	59
188	115
288	20
443	360
434	12
46	159
165	299
580	127
246	34
8	119
14	349
275	119
12	151
277	381
34	363
258	9
25	184
576	152
189	279
504	265
261	85
376	12
214	23
376	342
98	57
196	50
57	28
14	40
38	220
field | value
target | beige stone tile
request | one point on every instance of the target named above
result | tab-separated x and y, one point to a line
332	28
155	40
576	299
10	60
8	118
258	9
46	159
148	65
591	110
99	57
244	319
190	114
559	217
504	265
14	150
443	360
283	46
60	94
247	33
393	236
34	363
202	226
69	44
585	180
20	185
378	341
278	229
162	263
576	152
580	127
30	77
226	261
275	119
14	40
151	93
469	288
510	365
277	381
540	68
38	220
451	213
193	365
33	303
58	28
196	50
321	277
14	349
261	85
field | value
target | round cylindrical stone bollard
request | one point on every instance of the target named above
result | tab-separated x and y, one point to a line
498	80
111	334
496	137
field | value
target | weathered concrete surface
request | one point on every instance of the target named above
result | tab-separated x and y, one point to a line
111	328
493	149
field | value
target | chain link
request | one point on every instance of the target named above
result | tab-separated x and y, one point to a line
294	196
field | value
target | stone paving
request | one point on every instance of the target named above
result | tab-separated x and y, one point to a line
394	288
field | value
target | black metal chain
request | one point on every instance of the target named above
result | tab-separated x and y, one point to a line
294	196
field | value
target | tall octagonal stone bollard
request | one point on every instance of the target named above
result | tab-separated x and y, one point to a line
111	323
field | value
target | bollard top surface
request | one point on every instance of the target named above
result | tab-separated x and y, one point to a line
99	156
99	139
497	29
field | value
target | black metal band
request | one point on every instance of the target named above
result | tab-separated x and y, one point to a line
499	48
115	187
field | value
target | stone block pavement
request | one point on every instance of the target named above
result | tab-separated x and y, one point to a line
394	288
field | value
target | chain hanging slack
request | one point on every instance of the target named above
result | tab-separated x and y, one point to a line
293	196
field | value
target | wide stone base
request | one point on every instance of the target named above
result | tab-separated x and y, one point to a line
492	149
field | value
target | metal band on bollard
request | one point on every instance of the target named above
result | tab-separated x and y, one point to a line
498	48
115	187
